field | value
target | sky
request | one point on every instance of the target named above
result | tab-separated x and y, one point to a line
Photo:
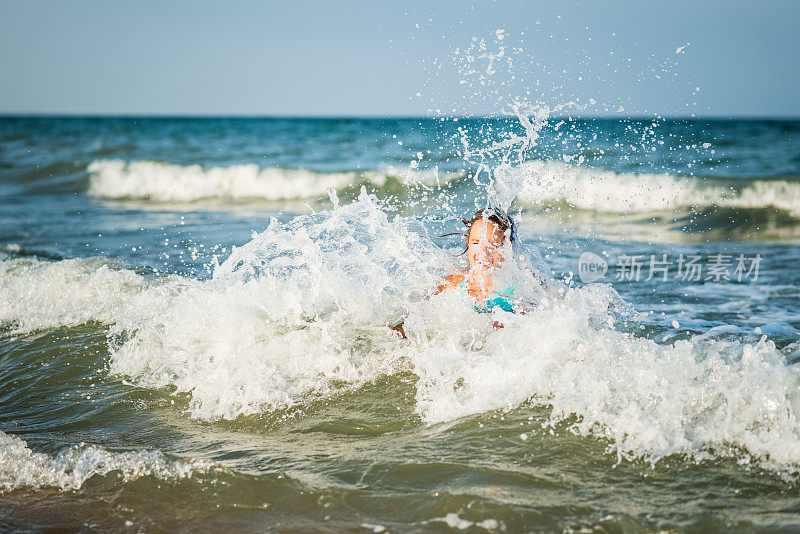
680	58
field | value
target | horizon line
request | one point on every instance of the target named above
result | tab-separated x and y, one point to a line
188	116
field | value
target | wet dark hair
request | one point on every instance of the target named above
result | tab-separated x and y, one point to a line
497	216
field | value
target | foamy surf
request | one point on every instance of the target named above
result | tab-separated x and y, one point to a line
538	184
166	182
301	313
544	183
20	467
696	397
37	294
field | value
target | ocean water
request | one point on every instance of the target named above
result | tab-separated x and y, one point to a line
194	325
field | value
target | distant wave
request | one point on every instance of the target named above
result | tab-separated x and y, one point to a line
534	183
547	182
166	182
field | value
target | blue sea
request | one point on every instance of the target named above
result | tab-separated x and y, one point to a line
195	313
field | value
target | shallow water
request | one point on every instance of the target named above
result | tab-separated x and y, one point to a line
194	332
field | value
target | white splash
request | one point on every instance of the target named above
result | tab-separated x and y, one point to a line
37	294
302	312
279	323
650	400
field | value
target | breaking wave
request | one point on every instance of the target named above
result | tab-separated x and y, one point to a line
544	183
71	468
302	312
165	182
538	183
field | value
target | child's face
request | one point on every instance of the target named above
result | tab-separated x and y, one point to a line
484	243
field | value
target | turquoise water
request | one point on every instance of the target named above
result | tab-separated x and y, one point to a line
194	330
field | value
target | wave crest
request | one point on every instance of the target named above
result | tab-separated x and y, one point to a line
39	294
166	182
542	183
72	467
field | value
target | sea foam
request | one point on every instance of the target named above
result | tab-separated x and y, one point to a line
650	400
543	183
536	183
71	468
37	294
302	312
165	182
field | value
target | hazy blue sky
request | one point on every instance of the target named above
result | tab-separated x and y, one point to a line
398	58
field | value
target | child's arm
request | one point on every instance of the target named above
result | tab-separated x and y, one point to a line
451	282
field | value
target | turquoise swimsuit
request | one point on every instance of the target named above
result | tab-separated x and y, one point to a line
500	298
